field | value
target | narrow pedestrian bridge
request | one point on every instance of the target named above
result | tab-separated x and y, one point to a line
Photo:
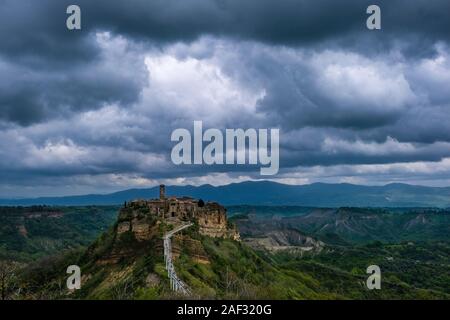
176	283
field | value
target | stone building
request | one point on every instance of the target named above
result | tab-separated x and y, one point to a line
210	216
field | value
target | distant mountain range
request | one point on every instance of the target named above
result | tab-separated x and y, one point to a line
270	193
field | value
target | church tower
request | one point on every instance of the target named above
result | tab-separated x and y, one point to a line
162	192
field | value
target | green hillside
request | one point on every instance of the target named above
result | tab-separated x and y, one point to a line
349	225
298	256
27	233
120	267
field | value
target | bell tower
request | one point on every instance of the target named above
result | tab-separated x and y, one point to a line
162	192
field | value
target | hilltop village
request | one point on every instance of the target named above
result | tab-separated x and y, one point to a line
210	217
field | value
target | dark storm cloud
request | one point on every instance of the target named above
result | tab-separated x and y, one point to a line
47	71
34	32
39	27
326	89
86	107
28	95
280	22
34	36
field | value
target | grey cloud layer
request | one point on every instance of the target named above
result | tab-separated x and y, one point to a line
36	45
98	106
279	22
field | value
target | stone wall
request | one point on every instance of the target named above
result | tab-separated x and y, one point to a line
212	220
211	216
137	219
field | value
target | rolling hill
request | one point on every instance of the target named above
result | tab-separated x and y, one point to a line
352	226
271	193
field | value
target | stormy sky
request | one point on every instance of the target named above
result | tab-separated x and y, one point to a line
93	110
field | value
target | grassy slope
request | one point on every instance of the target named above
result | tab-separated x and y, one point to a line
237	271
